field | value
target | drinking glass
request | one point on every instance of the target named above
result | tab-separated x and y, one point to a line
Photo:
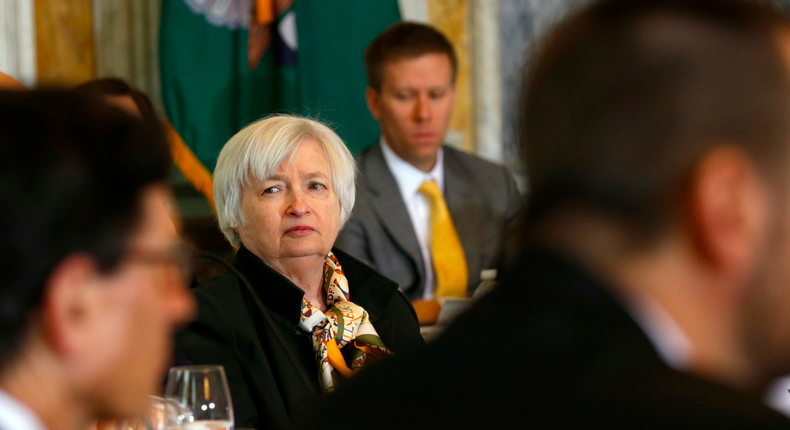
198	398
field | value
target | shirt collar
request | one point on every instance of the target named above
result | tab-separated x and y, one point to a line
545	264
15	415
669	340
408	177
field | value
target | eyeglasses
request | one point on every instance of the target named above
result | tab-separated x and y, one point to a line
179	255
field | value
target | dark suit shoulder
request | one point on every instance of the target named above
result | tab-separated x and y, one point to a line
218	335
475	170
491	184
219	302
368	288
590	365
470	159
220	285
369	162
221	294
365	273
363	158
399	320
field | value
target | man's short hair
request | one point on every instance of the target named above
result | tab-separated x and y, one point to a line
626	96
116	87
72	172
401	41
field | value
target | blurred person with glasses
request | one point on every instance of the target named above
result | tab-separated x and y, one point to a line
92	285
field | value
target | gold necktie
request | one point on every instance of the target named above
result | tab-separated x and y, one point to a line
449	262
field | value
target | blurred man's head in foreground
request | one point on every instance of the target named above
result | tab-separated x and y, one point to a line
656	135
9	83
118	93
91	288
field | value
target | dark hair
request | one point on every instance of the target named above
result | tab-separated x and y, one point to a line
625	97
405	40
104	87
71	177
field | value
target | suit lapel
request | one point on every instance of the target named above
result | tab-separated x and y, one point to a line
390	208
463	204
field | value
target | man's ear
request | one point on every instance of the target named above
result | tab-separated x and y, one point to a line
69	303
729	210
372	98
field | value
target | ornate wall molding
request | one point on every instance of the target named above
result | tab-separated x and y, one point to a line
487	80
126	34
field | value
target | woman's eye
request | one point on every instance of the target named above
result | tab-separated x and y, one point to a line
271	190
317	186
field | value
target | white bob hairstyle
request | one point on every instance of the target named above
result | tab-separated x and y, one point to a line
259	149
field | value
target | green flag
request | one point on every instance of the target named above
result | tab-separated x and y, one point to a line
222	67
333	79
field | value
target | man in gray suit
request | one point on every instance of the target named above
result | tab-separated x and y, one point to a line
411	90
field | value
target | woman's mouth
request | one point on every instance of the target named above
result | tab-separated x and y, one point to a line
299	230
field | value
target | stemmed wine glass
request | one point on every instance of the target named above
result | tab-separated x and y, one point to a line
198	398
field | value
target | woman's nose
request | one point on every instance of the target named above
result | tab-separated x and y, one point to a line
297	205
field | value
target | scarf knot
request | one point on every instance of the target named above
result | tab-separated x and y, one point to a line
343	325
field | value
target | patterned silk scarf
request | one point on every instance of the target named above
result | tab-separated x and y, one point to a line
344	324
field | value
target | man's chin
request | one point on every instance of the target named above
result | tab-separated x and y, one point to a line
422	155
425	147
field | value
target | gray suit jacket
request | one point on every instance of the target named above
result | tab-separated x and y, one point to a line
483	201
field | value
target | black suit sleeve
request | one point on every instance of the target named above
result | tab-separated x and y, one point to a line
398	326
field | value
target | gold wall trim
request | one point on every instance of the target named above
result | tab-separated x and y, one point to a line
65	51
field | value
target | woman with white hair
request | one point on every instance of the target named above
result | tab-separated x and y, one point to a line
284	187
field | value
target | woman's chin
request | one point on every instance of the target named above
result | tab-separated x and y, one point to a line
304	250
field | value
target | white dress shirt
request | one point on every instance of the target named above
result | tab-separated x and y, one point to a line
676	350
669	340
409	180
14	415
